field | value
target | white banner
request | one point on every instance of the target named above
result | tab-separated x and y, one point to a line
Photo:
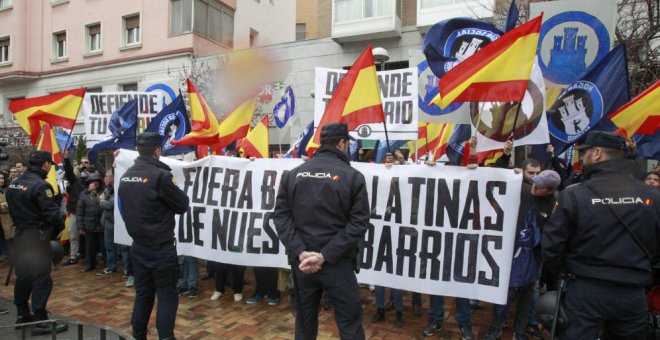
97	107
398	92
440	230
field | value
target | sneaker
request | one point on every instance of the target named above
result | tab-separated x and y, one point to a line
494	333
130	281
216	295
534	332
466	331
254	299
105	272
432	328
379	316
182	290
238	297
47	328
70	262
192	293
273	301
522	336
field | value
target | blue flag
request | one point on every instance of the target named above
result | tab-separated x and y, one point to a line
298	148
172	123
353	150
382	149
512	17
123	126
456	144
648	146
453	40
586	103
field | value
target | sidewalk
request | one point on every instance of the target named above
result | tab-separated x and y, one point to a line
104	300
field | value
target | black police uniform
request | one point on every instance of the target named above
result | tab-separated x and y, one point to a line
148	201
35	211
322	206
584	237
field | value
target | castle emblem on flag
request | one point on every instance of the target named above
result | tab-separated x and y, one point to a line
580	107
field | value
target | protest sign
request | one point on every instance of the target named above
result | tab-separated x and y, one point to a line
440	230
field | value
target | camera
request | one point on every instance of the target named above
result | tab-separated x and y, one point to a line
3	156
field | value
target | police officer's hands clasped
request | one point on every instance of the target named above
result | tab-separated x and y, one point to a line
310	262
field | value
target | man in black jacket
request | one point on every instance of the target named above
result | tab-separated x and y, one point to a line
321	215
148	202
36	213
586	238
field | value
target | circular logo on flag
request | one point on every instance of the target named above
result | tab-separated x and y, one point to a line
569	43
464	42
172	127
495	119
577	108
428	89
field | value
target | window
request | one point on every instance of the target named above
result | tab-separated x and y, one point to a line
129	87
131	30
180	16
214	21
301	31
9	117
435	3
59	45
347	10
5	44
58	2
94	38
5	4
94	89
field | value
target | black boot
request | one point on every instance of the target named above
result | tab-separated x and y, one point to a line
23	319
399	319
140	335
47	328
379	316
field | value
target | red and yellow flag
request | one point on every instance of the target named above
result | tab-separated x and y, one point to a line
256	142
499	72
235	125
428	138
356	99
59	109
641	115
48	142
204	127
443	140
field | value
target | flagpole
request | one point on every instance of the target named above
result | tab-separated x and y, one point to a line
515	121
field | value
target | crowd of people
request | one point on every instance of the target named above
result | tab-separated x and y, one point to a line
325	264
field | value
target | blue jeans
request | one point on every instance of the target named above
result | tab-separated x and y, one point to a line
190	276
109	240
126	257
437	310
397	298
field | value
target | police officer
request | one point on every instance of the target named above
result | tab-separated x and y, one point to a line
37	216
587	237
321	215
148	201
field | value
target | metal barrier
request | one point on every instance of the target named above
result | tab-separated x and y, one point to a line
103	331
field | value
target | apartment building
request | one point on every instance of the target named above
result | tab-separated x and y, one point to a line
53	45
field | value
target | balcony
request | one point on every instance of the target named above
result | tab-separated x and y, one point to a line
361	20
430	12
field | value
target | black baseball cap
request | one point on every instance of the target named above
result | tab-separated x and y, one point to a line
603	139
149	139
336	130
38	157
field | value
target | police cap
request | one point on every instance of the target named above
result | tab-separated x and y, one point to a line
38	157
149	139
603	139
335	130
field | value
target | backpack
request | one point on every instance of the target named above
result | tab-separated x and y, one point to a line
525	267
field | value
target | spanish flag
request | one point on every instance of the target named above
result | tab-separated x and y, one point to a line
443	140
48	142
428	138
235	125
356	99
59	109
641	115
204	127
256	143
499	72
